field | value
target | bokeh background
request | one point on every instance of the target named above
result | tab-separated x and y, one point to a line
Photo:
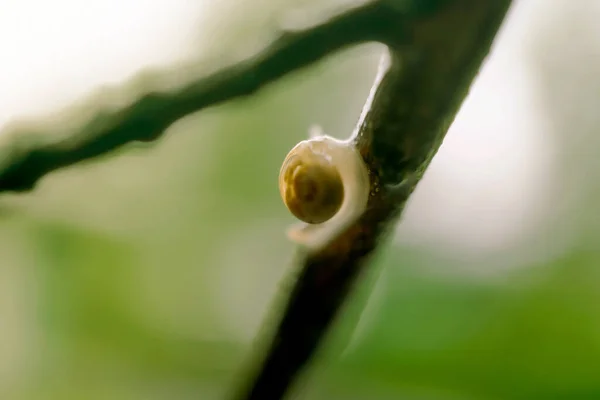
153	272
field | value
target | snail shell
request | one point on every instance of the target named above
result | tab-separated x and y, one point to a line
324	182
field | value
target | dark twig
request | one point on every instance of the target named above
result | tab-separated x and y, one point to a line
31	152
435	57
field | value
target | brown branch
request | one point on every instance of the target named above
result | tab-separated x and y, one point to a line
435	57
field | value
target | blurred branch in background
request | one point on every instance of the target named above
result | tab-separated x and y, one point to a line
30	152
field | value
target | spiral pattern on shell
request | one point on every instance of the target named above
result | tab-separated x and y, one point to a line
310	184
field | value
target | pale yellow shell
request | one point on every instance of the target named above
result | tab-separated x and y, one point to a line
325	183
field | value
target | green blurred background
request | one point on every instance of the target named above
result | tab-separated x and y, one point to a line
148	274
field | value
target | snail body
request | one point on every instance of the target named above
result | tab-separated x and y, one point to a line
324	182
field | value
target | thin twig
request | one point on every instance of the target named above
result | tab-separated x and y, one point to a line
31	152
434	58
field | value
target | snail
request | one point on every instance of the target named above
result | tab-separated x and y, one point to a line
325	183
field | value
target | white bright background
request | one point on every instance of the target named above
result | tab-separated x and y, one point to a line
54	52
